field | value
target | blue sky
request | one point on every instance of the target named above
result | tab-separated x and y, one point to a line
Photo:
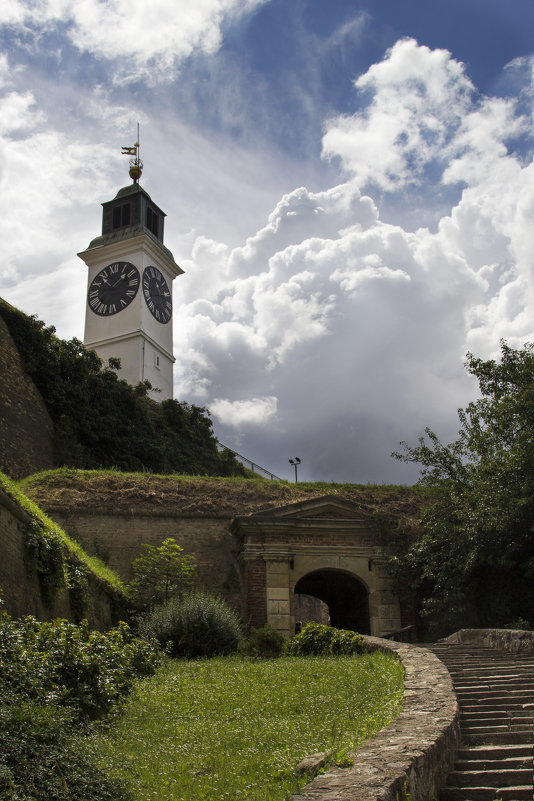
349	189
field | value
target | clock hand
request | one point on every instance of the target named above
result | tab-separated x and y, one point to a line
119	279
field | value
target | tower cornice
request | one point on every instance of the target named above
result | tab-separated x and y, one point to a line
123	247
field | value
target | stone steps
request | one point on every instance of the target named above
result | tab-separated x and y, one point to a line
495	692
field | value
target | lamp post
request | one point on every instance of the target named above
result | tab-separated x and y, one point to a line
295	462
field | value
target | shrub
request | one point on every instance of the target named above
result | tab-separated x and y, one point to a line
42	759
316	639
197	625
160	573
54	677
70	666
265	642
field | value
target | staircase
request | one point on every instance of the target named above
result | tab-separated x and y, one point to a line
495	691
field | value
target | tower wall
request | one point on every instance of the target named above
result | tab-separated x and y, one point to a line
138	329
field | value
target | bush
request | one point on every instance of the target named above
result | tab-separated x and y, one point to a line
70	666
195	626
54	678
316	639
42	759
265	642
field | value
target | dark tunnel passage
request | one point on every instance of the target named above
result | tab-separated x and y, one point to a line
346	596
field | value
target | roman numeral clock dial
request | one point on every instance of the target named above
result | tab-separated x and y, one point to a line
113	288
157	294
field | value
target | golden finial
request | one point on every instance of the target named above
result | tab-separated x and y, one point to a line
136	165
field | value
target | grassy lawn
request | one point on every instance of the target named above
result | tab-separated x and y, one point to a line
231	728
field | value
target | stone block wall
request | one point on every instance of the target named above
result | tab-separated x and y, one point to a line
515	640
412	756
26	430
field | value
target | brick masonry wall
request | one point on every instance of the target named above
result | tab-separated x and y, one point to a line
256	583
20	588
117	540
26	430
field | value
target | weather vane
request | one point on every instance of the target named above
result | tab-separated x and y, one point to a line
136	165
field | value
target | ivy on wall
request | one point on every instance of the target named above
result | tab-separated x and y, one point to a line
59	562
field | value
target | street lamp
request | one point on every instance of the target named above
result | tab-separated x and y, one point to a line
295	462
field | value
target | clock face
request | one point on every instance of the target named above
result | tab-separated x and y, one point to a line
113	288
157	294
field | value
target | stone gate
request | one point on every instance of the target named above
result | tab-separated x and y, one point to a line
324	547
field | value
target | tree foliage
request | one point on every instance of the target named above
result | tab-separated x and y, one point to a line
474	563
160	573
101	421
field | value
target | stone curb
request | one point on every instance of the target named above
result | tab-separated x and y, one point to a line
411	757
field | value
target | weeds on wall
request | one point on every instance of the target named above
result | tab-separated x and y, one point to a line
78	587
44	557
59	562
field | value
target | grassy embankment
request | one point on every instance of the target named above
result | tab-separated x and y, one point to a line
205	495
230	728
47	529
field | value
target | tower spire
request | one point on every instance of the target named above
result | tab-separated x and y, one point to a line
136	165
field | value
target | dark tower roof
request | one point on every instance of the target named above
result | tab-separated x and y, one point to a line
132	212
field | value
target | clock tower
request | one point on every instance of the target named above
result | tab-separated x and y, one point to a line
128	312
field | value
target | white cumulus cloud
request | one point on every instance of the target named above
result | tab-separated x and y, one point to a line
147	38
359	327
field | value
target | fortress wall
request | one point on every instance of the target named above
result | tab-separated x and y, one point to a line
26	430
117	540
20	588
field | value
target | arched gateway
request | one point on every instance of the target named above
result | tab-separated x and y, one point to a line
325	547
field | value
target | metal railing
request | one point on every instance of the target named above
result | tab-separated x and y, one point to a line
406	634
249	463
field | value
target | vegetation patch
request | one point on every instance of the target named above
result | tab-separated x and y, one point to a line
230	728
56	681
316	639
472	564
205	496
101	421
58	560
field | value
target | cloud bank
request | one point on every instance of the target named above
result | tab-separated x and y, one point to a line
147	38
356	329
341	325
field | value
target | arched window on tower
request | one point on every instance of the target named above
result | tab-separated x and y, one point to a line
121	216
152	220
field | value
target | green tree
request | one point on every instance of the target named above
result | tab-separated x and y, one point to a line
473	565
160	573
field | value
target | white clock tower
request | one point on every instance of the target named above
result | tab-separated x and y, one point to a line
129	297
